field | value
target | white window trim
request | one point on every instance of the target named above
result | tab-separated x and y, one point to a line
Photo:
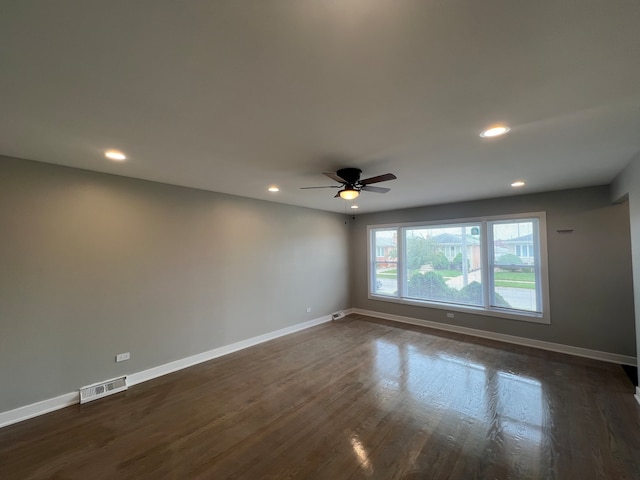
535	317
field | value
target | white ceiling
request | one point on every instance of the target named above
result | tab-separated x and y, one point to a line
233	96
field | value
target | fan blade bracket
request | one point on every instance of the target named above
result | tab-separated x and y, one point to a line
323	186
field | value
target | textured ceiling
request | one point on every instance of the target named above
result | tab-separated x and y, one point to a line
233	96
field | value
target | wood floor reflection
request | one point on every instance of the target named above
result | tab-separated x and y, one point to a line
353	399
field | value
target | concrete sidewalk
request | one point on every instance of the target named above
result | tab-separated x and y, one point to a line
456	282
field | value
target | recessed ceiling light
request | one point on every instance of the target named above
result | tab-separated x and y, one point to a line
517	184
273	189
355	206
115	155
495	131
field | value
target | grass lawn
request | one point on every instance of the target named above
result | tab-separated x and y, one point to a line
518	276
449	273
387	274
525	285
389	270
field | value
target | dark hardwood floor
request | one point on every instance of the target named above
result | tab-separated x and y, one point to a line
357	398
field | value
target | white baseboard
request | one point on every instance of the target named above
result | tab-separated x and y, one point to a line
39	408
45	406
171	367
528	342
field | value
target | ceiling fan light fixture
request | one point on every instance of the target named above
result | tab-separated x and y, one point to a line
349	194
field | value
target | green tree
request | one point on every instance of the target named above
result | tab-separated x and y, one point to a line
420	251
456	263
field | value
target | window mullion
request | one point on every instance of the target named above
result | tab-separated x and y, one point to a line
486	235
536	263
401	275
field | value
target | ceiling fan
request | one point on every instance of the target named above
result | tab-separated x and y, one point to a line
351	185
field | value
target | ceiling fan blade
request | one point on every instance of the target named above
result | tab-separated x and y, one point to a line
335	177
325	186
336	195
379	178
376	189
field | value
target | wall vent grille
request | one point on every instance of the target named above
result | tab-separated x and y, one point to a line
102	389
337	315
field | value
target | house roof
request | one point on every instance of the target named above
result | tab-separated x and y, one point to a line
447	238
522	239
385	242
236	96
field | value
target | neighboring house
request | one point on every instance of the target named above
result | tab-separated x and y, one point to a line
451	245
521	247
386	251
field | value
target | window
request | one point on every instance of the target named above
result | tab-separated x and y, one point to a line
430	275
491	265
385	268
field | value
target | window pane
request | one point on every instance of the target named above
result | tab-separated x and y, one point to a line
385	273
385	279
515	265
443	264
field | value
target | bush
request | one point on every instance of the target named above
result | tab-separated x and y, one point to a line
509	259
510	262
439	261
430	285
472	294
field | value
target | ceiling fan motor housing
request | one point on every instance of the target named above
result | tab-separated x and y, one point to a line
350	175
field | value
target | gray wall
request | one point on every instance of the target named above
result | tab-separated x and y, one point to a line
94	265
589	270
626	186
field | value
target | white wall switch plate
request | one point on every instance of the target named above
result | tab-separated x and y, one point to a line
123	356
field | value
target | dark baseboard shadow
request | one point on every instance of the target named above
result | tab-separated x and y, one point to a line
632	373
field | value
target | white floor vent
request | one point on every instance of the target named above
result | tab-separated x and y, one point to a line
337	315
102	389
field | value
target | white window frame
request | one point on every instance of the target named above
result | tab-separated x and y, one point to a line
542	270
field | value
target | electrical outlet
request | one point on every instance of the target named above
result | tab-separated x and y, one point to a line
123	356
308	309
450	315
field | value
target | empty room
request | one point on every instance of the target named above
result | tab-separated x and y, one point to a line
319	239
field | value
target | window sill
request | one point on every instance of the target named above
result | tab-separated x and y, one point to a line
532	317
